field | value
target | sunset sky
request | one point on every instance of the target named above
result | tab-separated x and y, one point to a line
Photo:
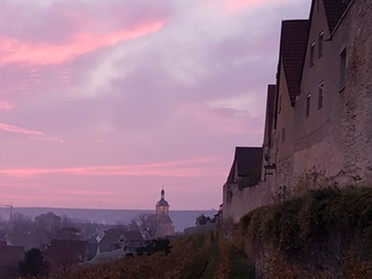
104	101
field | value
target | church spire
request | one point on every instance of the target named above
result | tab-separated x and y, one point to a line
162	194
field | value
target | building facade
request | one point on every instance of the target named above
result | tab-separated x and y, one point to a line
318	128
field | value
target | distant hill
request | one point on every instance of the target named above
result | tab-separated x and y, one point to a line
181	218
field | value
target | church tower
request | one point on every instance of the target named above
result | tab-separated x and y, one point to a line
162	206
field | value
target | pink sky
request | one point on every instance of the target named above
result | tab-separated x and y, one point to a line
104	102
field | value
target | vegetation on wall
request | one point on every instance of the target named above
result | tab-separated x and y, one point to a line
329	231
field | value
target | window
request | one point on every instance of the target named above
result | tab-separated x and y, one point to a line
343	69
283	135
320	95
312	50
308	97
320	44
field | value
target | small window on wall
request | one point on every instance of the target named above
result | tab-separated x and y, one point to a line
343	69
312	51
320	95
308	98
283	136
320	44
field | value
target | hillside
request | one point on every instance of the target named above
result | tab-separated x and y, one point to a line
201	256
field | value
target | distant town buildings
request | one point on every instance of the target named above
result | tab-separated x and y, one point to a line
318	130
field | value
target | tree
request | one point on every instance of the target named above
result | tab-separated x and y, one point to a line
34	264
143	223
156	246
21	231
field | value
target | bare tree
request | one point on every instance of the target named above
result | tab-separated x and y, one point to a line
143	222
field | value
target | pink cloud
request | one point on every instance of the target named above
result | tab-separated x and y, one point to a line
234	6
5	105
45	53
227	120
180	168
48	139
14	129
33	135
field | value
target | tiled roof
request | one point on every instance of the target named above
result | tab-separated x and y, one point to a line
133	235
49	215
292	53
111	237
74	249
11	255
247	162
334	10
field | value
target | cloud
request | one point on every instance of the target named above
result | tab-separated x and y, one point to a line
154	83
176	168
14	129
45	53
5	105
234	6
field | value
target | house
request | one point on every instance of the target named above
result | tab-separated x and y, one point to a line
50	222
133	240
10	257
121	239
111	240
318	130
323	136
242	181
287	89
63	255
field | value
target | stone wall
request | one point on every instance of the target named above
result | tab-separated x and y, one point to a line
243	201
335	141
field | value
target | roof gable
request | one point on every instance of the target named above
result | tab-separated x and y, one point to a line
334	10
247	163
74	249
111	236
292	54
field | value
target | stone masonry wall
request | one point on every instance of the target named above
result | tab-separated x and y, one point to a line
243	201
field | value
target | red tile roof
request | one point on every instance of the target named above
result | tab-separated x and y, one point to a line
292	53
